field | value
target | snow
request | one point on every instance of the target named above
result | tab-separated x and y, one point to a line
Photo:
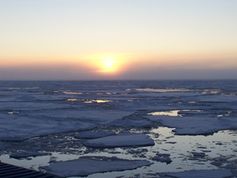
120	140
174	113
197	125
218	173
89	165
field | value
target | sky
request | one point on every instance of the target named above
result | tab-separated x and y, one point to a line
118	39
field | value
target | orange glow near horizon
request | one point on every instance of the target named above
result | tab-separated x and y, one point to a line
107	64
116	63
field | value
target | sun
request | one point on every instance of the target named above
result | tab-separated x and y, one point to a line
108	65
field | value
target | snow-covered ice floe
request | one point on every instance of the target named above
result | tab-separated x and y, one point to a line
121	140
197	125
216	173
85	166
174	113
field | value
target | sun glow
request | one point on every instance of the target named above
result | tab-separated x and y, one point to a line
108	65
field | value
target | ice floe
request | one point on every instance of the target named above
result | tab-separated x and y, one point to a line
85	166
173	113
96	101
120	140
197	125
72	100
72	93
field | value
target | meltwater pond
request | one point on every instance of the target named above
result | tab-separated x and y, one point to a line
142	128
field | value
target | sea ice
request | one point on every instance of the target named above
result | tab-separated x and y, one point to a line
99	101
26	154
197	125
94	116
30	106
138	122
89	165
198	154
174	113
94	134
226	162
218	98
218	173
72	93
164	158
162	90
24	127
121	140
